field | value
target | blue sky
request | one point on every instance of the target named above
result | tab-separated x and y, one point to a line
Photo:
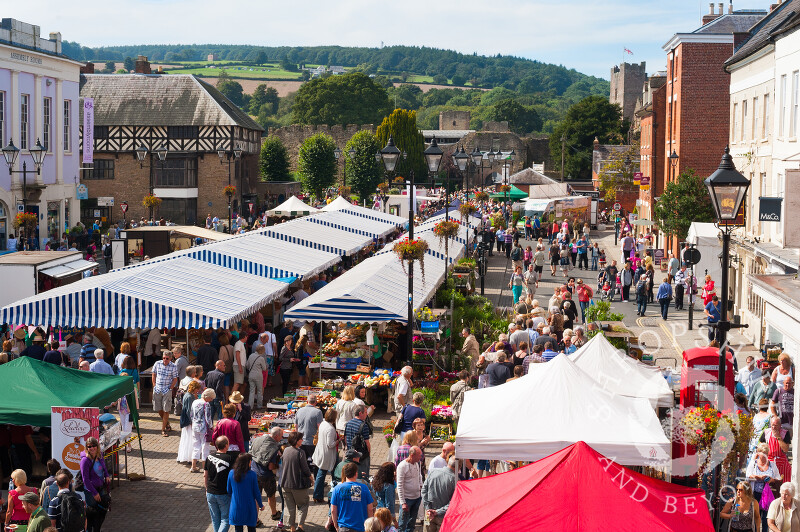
582	34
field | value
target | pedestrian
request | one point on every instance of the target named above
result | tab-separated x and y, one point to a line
500	235
165	378
585	295
664	297
242	416
594	251
641	295
409	489
351	501
231	429
66	510
296	479
266	457
357	435
680	286
285	363
783	514
527	257
651	280
626	278
187	436
516	283
611	278
385	485
325	453
583	253
672	265
245	495
226	357
708	290
388	522
255	367
555	257
713	311
101	366
39	521
437	492
17	513
201	427
217	467
96	484
308	420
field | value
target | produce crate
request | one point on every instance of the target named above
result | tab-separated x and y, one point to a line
348	360
314	365
363	369
329	365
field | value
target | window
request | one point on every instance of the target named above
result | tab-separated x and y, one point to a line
2	119
782	117
735	131
183	132
744	119
23	121
767	113
182	211
795	102
177	172
67	125
101	169
47	106
101	132
763	183
754	134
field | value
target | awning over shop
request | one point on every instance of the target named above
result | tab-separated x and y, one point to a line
184	292
346	221
317	236
293	206
185	230
373	291
70	268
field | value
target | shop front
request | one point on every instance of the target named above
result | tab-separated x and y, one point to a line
781	296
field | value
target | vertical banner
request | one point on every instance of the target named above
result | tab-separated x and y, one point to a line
88	130
70	428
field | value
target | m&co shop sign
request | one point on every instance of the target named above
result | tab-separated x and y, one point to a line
70	428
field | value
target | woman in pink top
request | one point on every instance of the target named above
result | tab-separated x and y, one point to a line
231	428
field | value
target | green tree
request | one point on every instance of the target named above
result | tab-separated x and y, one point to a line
231	89
261	57
274	160
592	117
110	67
521	119
305	75
363	171
316	164
264	100
401	125
683	201
129	64
440	79
616	174
288	65
351	98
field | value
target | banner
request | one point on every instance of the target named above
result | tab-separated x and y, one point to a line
88	130
769	209
71	426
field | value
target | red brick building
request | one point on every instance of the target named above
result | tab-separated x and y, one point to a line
652	127
193	120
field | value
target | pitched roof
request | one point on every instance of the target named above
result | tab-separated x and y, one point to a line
763	33
736	22
529	176
160	100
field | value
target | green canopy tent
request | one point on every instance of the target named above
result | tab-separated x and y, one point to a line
513	194
31	387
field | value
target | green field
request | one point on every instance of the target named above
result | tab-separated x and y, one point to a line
234	72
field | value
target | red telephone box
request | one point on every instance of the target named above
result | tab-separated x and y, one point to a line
699	377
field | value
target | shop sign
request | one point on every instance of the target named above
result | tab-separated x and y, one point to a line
71	427
644	181
658	256
82	192
769	209
429	326
637	178
105	201
88	130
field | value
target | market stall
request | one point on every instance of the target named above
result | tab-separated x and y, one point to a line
555	405
317	237
293	206
346	221
341	204
575	489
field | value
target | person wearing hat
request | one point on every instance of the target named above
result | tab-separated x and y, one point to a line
39	520
242	415
100	365
37	349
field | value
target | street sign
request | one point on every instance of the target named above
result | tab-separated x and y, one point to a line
692	256
645	181
637	178
105	201
124	206
617	206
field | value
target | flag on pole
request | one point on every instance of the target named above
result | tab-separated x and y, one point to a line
628	51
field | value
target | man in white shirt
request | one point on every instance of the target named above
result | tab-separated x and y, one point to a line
749	375
239	361
441	459
409	489
11	245
402	386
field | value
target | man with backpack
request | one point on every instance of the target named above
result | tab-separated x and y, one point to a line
356	436
67	511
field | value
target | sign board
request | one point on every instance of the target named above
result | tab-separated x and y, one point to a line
20	207
124	206
769	209
82	192
88	130
692	256
658	256
96	213
637	178
588	193
70	428
617	206
429	326
644	181
105	201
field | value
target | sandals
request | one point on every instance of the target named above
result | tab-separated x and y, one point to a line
276	516
194	470
164	433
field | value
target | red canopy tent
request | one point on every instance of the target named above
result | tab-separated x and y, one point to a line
575	489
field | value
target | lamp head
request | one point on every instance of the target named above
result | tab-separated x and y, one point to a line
390	154
38	153
433	156
727	188
10	153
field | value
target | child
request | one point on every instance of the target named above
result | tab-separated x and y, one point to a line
595	250
602	259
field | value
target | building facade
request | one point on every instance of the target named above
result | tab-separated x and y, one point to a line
651	138
192	120
38	101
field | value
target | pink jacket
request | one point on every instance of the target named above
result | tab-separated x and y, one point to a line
232	430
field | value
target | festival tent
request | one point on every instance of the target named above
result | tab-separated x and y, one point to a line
317	236
555	405
620	374
293	206
513	194
575	489
346	221
373	291
341	204
184	292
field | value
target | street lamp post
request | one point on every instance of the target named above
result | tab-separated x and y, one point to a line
338	154
727	188
507	160
37	153
230	157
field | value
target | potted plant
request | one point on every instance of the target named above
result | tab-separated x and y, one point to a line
504	188
383	187
482	196
229	190
151	201
344	191
445	230
464	265
467	210
411	250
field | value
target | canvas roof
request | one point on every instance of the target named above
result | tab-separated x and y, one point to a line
293	206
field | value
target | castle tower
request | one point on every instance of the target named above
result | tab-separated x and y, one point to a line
627	80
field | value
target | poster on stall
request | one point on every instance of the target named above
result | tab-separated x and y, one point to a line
125	418
71	427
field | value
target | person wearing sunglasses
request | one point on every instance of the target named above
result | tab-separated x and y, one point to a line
96	482
742	510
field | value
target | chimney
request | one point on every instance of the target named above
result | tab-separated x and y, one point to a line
721	12
142	65
711	8
88	68
730	8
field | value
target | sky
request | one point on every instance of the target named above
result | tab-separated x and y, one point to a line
587	35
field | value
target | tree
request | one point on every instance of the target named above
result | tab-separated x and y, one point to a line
592	117
401	125
617	172
274	160
440	79
683	201
231	89
521	119
129	64
351	98
261	58
288	65
458	79
264	100
363	171
317	164
110	66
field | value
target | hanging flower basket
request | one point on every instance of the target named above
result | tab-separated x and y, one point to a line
424	314
482	196
445	230
411	250
394	191
498	222
467	210
383	187
399	179
229	190
25	219
344	191
151	201
504	188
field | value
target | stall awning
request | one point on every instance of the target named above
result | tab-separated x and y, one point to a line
435	246
346	221
186	230
70	268
316	236
373	291
292	207
341	204
184	292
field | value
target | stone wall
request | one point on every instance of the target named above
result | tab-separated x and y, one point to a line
454	120
294	135
626	86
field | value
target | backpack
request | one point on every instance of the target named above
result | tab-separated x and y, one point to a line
73	512
358	442
516	254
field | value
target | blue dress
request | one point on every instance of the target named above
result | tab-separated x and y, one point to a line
244	494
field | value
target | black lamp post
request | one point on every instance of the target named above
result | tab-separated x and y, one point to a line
230	157
462	160
673	162
727	188
338	154
433	159
37	153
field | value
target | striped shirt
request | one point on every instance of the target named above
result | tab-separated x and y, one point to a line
163	376
533	358
351	429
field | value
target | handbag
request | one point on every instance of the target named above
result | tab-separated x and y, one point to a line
398	425
766	497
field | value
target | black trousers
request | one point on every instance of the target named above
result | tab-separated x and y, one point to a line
626	292
286	374
583	259
679	288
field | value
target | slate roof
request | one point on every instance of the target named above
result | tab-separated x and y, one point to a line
737	22
160	100
529	176
779	20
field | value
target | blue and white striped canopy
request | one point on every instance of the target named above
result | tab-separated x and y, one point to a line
376	290
317	236
435	246
346	221
341	204
184	292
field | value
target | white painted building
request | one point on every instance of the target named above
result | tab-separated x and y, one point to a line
38	101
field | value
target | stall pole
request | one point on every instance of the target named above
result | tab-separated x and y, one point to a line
410	324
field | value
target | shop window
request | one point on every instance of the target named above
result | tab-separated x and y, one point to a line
101	169
176	172
183	132
182	211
